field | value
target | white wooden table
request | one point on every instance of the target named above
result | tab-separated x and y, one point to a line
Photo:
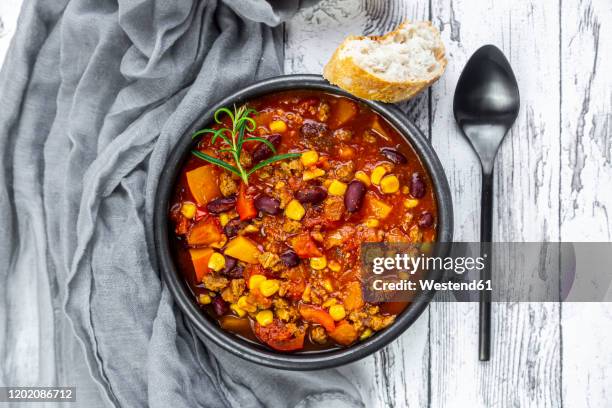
553	183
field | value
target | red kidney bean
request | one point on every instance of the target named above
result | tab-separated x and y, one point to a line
222	204
353	198
232	227
267	204
313	195
393	155
232	268
263	151
230	263
290	258
417	186
426	220
220	306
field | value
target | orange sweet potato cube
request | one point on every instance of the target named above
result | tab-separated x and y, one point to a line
203	183
199	258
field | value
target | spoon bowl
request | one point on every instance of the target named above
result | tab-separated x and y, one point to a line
486	102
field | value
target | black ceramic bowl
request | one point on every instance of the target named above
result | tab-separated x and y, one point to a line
259	353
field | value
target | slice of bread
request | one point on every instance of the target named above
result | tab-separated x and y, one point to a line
389	68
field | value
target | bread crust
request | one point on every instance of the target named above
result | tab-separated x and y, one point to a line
345	73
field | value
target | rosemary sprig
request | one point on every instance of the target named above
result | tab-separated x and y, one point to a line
233	140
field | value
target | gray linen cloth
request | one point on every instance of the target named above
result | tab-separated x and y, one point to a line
93	95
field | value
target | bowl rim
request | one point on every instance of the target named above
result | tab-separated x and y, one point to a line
261	354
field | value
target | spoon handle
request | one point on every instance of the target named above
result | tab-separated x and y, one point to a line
486	233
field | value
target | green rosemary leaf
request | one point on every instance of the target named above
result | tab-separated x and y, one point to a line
226	111
201	132
234	138
219	133
271	160
216	161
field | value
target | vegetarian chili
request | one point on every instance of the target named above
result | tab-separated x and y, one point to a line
269	212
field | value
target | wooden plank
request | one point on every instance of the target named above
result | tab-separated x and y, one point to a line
524	369
586	171
398	375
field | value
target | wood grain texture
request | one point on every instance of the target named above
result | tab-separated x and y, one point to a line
525	365
586	188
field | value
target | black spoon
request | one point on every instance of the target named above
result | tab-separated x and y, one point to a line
486	105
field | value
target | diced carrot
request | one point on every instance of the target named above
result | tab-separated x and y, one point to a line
203	183
343	111
305	247
344	333
244	249
199	258
205	232
245	205
353	296
318	315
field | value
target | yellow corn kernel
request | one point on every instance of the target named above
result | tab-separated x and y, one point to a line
389	184
366	333
328	285
278	126
377	174
188	210
318	263
329	302
337	188
236	309
334	266
269	287
405	190
306	294
363	177
372	223
309	158
326	183
242	302
411	202
294	210
312	174
255	281
265	317
216	262
224	218
337	312
204	299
